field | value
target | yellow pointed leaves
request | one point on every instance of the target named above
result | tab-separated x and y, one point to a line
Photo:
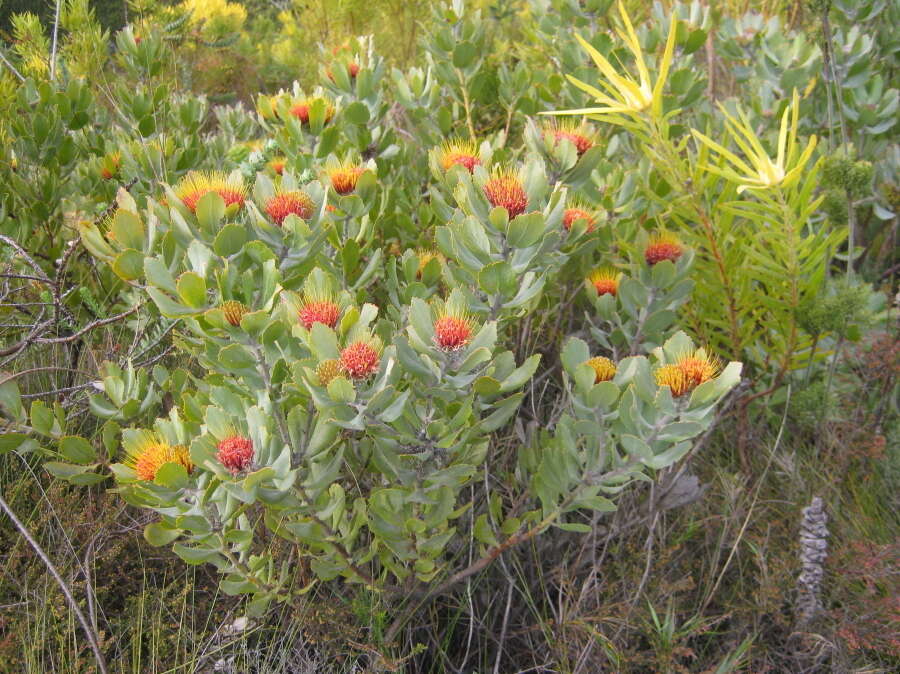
759	171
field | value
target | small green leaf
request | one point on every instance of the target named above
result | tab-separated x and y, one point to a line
158	534
192	289
357	113
230	239
77	450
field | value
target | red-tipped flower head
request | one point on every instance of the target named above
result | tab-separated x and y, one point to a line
321	310
235	453
452	330
605	281
572	215
196	184
344	177
504	189
300	110
459	153
277	165
360	359
283	204
663	246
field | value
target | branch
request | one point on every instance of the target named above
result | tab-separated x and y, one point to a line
87	328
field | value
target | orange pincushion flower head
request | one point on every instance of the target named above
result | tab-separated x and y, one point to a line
578	134
234	311
663	246
578	211
328	369
150	454
504	189
277	165
459	152
196	184
360	359
344	176
300	109
235	452
453	328
317	303
687	372
603	368
322	310
284	203
605	281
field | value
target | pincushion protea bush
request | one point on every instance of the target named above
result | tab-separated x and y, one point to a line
353	291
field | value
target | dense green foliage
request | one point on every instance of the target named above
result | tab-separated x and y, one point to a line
365	325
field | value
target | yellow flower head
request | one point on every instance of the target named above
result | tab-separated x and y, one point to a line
151	454
687	372
459	152
605	281
197	184
603	368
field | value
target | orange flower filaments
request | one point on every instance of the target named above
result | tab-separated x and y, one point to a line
459	153
196	184
604	369
605	281
235	453
318	309
663	246
504	189
152	454
452	330
283	204
344	177
300	110
361	358
687	372
572	215
578	134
